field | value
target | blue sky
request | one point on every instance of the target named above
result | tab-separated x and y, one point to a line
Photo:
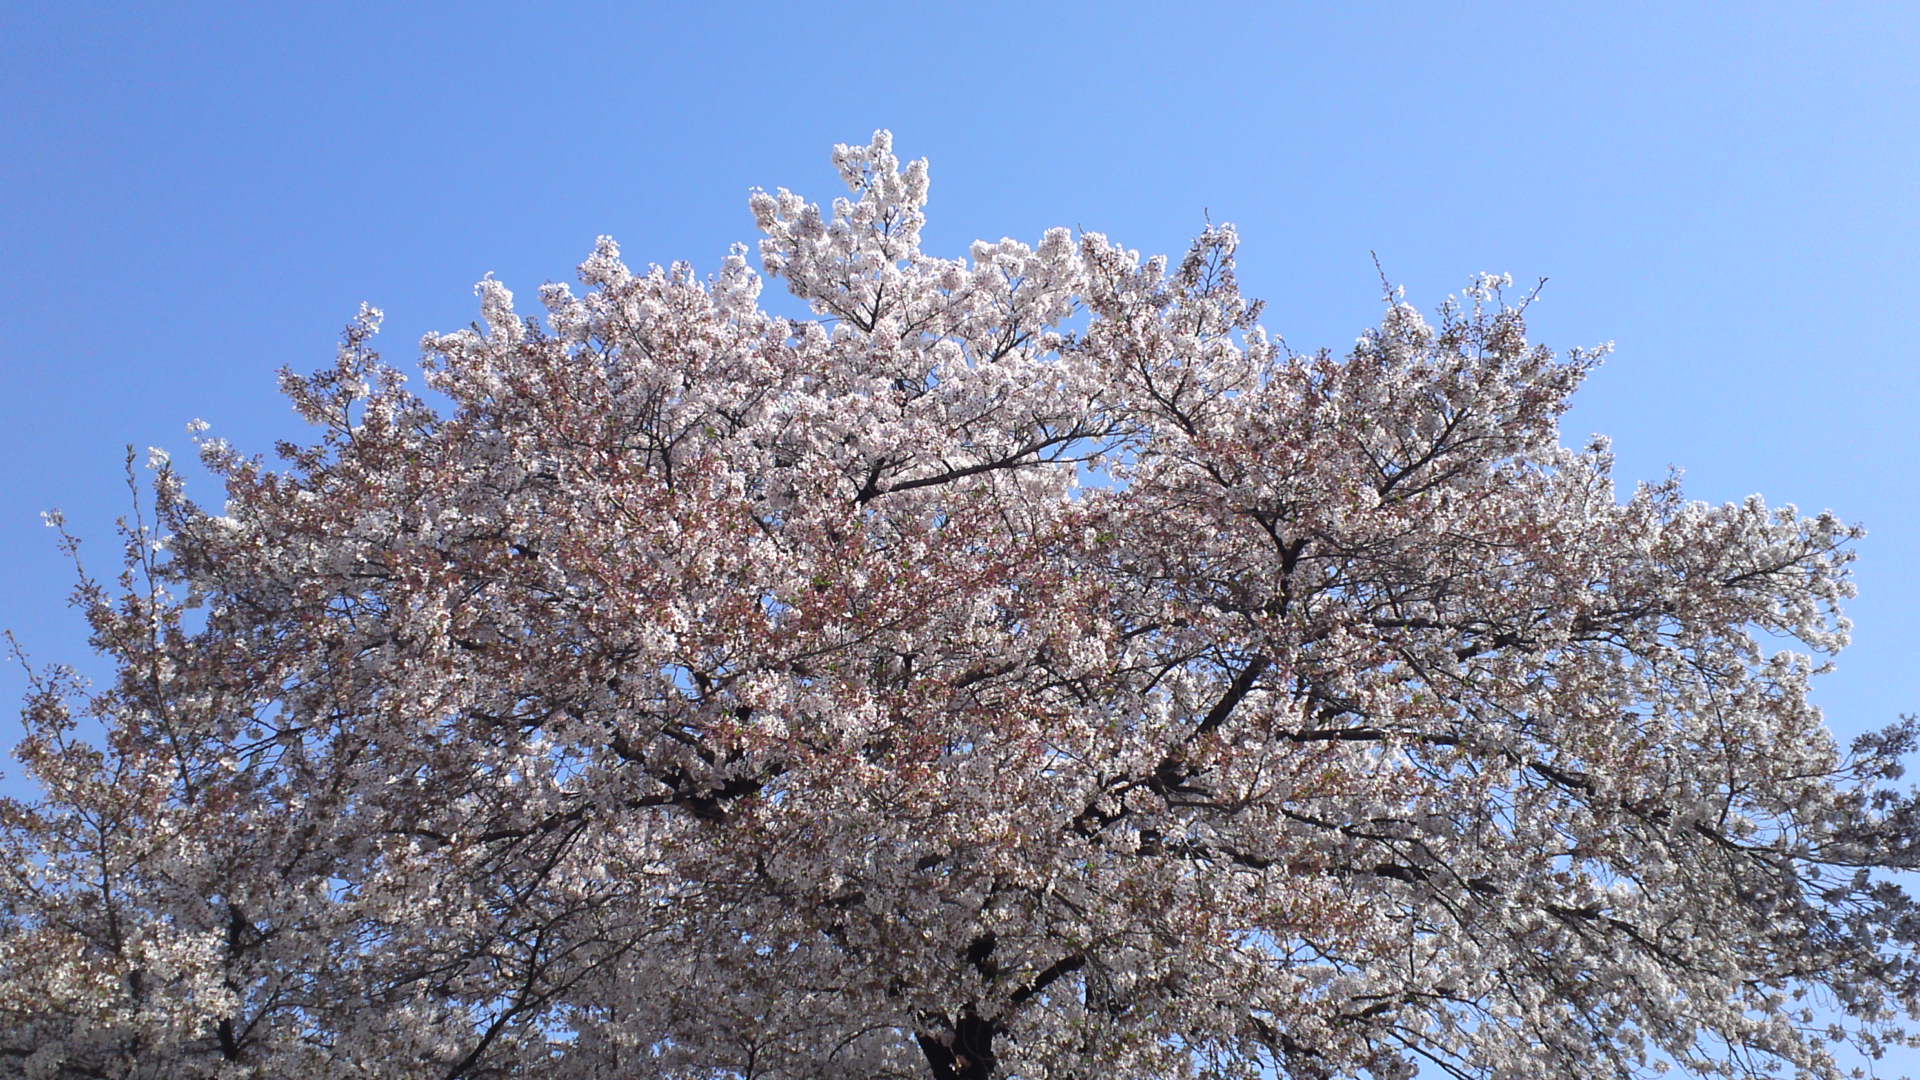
192	196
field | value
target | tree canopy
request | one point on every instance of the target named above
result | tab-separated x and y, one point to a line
1026	667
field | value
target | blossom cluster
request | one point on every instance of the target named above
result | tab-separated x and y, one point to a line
1026	667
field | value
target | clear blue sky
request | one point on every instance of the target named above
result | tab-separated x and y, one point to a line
192	196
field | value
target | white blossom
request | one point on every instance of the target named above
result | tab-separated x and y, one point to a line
1028	667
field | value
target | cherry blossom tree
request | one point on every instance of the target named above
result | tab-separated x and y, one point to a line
1027	667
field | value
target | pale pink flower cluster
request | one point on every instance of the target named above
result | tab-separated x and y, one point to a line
1026	668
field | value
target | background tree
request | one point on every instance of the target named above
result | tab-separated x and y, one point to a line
1027	668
